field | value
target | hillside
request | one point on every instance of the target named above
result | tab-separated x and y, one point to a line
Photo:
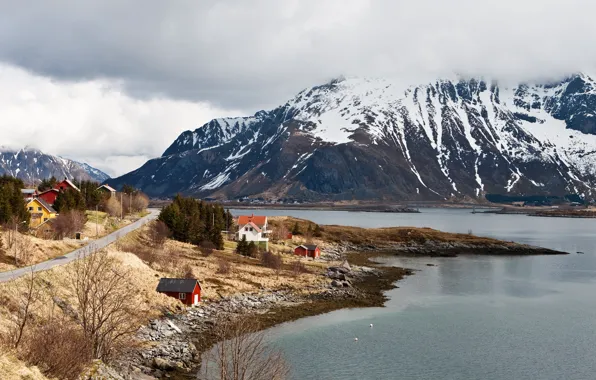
368	139
32	165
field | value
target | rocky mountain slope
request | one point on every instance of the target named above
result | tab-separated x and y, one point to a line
33	165
373	139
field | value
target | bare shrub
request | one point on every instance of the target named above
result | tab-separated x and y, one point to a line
299	268
111	206
207	247
223	266
158	233
22	248
58	348
139	202
280	233
242	353
143	252
107	309
271	260
187	272
24	295
68	223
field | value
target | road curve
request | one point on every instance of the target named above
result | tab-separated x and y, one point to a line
80	252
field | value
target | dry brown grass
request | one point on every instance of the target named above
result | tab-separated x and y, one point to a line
13	369
42	250
380	236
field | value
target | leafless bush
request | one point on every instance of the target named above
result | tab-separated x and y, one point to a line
111	206
107	310
299	268
23	296
280	232
58	348
223	266
139	202
22	248
470	232
68	223
206	247
242	353
271	260
158	233
143	252
187	272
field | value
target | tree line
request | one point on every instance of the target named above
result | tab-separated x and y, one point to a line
194	221
12	206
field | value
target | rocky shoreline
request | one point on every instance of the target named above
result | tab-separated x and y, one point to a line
172	345
439	249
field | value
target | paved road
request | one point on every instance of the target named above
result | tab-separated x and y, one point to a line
80	252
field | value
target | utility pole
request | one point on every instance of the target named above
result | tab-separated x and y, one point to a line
96	223
121	215
14	242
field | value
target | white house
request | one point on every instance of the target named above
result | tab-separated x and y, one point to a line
254	228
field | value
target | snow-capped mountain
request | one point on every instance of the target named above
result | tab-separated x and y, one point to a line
373	139
32	166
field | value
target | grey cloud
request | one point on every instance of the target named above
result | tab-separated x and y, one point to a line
255	54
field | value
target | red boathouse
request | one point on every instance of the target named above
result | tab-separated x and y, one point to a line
187	290
308	250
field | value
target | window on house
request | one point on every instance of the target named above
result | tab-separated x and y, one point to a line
45	219
251	229
39	209
30	208
245	228
182	296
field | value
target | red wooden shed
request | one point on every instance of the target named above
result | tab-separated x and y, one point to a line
308	250
49	196
187	290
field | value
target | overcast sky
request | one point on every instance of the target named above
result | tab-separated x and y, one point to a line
114	82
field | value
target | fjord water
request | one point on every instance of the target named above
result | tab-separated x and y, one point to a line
475	317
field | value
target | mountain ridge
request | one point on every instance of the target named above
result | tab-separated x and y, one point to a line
365	139
33	165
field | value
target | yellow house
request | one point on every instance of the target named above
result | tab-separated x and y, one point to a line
40	212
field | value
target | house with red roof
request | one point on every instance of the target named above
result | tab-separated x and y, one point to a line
254	228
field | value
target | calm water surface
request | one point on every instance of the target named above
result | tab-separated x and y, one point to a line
473	317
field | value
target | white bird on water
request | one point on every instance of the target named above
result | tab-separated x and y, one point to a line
355	339
371	325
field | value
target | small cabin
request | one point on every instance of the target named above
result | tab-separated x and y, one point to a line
107	190
308	250
186	290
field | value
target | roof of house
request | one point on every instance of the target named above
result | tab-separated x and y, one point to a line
47	191
177	285
308	247
71	184
107	187
255	226
28	191
259	220
44	204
